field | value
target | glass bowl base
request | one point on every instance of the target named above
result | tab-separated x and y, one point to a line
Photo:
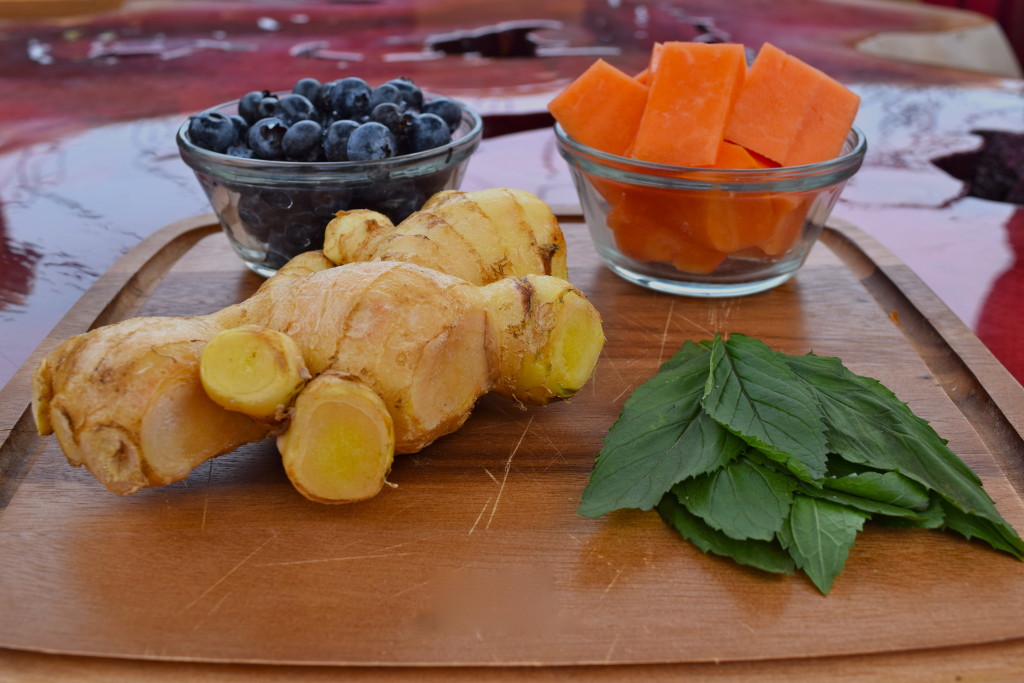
699	289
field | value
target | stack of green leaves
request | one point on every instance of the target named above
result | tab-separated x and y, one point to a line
777	460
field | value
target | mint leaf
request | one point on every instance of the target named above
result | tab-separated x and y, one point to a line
971	526
660	438
819	535
867	505
932	517
868	424
767	556
886	487
742	499
754	394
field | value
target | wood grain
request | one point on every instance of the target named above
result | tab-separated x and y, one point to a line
478	559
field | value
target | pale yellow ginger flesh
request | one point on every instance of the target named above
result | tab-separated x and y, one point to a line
479	236
555	346
253	370
340	444
127	401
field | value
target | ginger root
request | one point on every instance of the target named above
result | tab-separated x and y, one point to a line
341	441
253	370
479	236
398	354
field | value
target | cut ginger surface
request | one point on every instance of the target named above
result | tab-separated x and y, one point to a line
704	107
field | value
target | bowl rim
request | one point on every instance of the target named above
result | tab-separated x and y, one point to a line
848	160
206	156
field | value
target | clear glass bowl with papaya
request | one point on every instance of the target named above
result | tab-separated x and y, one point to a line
721	194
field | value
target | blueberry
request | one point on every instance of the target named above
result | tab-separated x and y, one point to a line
335	142
252	210
427	132
325	203
410	93
302	141
326	99
449	111
386	92
402	200
351	97
212	130
298	232
393	116
265	138
239	150
309	88
292	108
371	141
241	126
248	106
266	106
281	200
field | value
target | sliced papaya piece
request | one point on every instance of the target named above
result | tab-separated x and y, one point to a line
733	156
651	225
601	108
730	222
789	214
647	74
709	77
791	112
694	258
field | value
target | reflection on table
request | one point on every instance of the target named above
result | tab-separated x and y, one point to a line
88	166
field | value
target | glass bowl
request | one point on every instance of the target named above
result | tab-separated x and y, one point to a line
274	210
701	231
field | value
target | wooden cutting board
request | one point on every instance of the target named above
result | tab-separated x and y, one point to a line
478	558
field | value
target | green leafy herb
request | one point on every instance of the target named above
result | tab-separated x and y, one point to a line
741	499
776	460
768	556
754	394
819	535
661	437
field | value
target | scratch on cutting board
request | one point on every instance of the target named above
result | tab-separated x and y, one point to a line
206	497
622	393
211	611
229	573
718	316
664	332
501	484
346	558
611	649
483	509
612	363
612	582
508	466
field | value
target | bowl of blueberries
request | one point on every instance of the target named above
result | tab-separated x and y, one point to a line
277	166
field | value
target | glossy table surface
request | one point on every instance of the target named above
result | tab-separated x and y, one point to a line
88	165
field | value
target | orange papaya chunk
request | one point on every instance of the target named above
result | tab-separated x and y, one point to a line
601	108
649	225
695	258
791	112
731	222
709	77
647	74
789	214
733	156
